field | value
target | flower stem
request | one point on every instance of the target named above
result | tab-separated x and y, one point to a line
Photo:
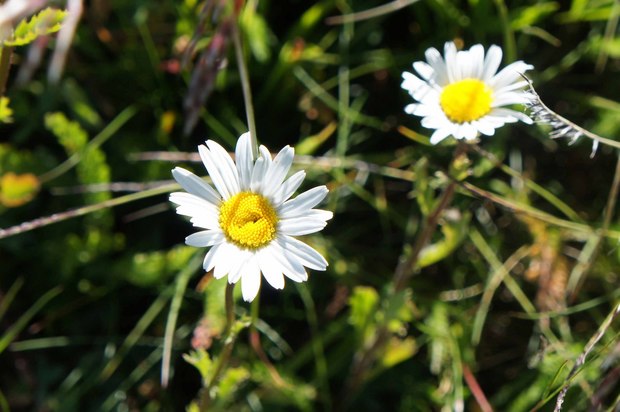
245	85
229	343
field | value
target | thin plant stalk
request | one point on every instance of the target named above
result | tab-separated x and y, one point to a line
245	85
581	360
405	269
578	274
175	306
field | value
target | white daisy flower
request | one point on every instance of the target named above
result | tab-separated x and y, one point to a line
461	94
249	220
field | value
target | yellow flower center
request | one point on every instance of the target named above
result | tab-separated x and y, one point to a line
466	100
248	220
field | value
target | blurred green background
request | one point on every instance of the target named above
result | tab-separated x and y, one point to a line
517	280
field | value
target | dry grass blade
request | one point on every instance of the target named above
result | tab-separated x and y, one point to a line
582	358
561	127
370	13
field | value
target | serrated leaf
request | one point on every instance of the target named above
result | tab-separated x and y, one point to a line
201	360
6	112
69	134
47	21
16	190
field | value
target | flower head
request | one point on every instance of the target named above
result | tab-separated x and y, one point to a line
461	94
249	218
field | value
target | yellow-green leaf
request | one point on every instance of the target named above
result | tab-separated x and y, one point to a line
5	111
45	22
15	190
398	350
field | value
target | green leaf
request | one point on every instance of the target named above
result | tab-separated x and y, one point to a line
69	134
453	234
257	33
154	268
398	350
230	382
363	302
529	16
6	112
201	360
45	22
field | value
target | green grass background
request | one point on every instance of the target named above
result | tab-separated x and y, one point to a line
518	280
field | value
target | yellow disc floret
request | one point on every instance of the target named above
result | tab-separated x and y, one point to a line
248	220
466	100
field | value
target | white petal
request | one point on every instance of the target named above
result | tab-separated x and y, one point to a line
242	257
244	159
299	226
258	174
506	99
476	54
512	87
434	59
206	221
308	257
302	203
226	259
484	127
270	268
452	69
278	170
191	205
509	115
212	254
195	185
250	280
509	75
424	70
292	268
287	188
416	87
491	63
439	135
221	168
205	238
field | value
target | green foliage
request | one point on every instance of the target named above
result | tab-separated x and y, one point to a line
363	302
155	268
69	134
45	22
5	111
515	278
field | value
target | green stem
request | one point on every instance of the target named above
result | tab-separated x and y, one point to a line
245	85
229	343
405	269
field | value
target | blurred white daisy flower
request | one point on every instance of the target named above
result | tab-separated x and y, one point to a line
249	220
461	94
